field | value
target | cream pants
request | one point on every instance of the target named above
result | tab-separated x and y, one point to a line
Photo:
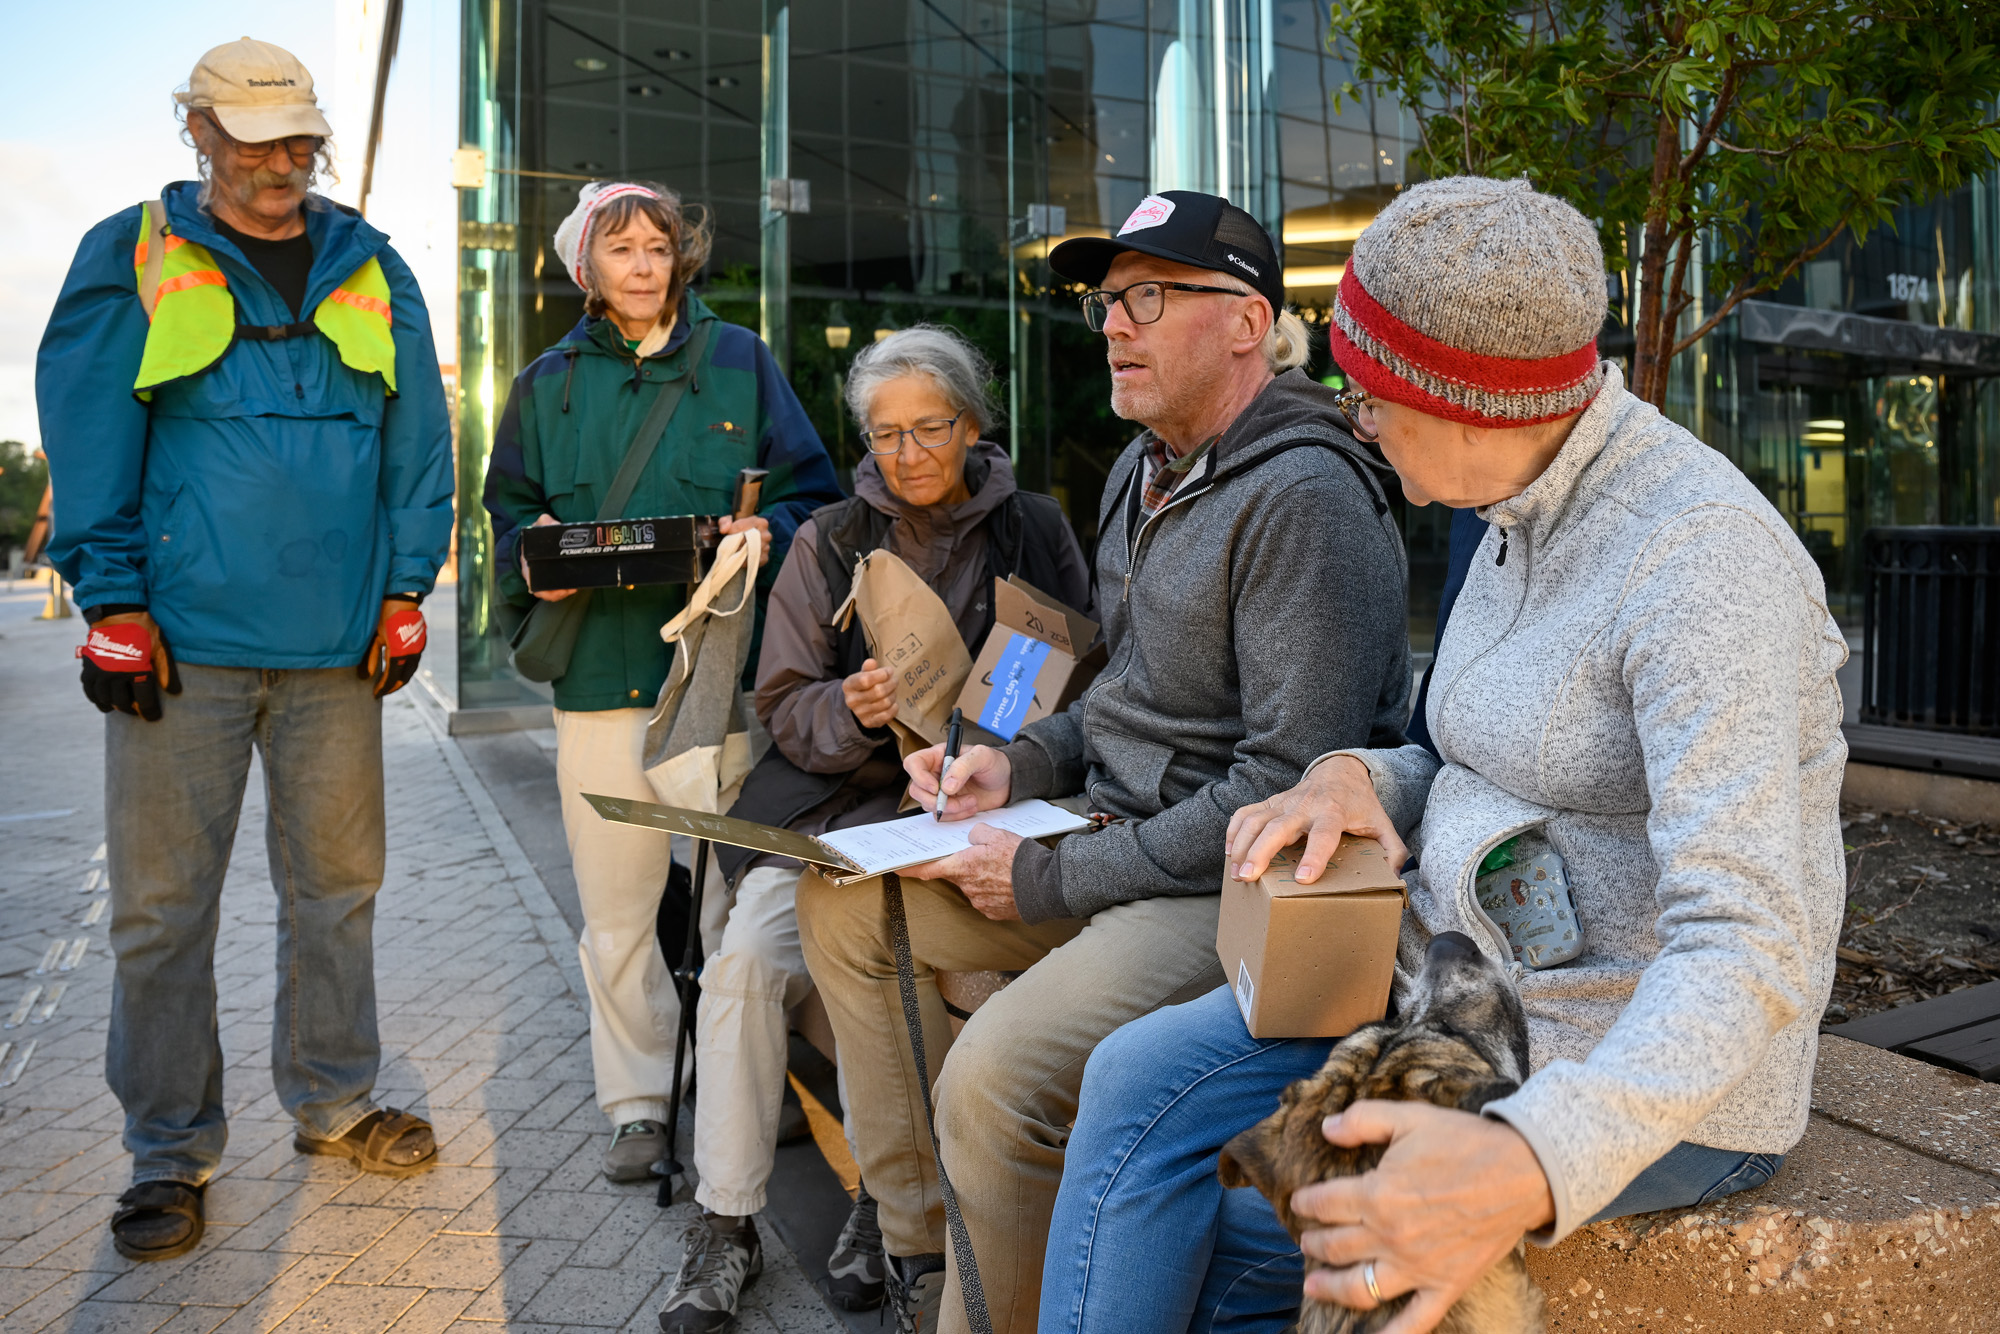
621	871
747	987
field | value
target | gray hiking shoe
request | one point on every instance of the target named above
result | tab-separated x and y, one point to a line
715	1269
916	1292
635	1147
857	1271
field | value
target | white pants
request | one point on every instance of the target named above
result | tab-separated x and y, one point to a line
747	987
621	871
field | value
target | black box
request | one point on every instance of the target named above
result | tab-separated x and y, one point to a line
670	550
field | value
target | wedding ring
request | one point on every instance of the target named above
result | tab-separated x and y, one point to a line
1368	1277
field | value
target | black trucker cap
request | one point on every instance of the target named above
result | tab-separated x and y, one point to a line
1206	231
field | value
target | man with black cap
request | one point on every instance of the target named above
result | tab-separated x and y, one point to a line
1253	587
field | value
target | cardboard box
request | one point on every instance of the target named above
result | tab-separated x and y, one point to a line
1036	660
1312	961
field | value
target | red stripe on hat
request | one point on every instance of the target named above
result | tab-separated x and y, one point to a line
1503	375
1381	382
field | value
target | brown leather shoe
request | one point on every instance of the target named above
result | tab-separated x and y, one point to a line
387	1142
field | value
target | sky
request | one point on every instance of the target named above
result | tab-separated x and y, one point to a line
81	139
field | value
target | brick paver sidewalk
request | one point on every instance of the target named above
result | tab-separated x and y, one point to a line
482	1032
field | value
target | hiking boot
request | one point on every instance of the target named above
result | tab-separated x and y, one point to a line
916	1292
634	1148
856	1271
716	1267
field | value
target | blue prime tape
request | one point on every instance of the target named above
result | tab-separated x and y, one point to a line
1013	685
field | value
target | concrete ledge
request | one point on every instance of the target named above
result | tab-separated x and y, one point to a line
1886	1216
1879	787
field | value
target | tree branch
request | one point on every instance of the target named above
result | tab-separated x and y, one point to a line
1747	287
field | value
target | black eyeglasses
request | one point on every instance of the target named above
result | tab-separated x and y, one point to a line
934	433
1144	302
300	147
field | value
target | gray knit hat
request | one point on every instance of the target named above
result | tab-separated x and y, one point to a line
1475	300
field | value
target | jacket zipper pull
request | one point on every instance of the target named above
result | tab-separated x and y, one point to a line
1501	559
1126	596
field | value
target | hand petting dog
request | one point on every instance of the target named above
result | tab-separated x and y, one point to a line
1424	1233
1451	1197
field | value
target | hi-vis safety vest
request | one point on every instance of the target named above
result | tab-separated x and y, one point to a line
186	297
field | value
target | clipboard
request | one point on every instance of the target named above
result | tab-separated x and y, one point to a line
1030	819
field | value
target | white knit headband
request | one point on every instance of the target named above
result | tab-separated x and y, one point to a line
573	237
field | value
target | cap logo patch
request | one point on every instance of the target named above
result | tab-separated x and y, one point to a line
1244	264
1152	211
273	83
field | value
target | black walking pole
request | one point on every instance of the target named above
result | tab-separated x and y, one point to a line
686	977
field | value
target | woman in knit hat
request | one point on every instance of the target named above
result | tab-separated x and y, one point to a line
570	420
1637	683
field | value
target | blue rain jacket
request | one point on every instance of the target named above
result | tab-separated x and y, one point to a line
261	509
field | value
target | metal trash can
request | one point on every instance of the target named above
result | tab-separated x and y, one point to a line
1931	629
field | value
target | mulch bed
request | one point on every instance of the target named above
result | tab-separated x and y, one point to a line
1923	910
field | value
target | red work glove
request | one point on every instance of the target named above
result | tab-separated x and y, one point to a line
398	645
126	664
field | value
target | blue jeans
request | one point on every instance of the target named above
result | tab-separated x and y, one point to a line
173	791
1145	1237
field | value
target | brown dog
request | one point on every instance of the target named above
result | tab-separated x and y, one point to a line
1461	1041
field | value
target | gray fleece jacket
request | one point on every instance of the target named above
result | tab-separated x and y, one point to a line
1256	621
1648	683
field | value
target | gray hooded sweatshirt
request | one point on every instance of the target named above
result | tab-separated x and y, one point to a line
1257	620
1647	683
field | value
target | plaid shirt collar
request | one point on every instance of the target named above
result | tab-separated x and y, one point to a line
1165	473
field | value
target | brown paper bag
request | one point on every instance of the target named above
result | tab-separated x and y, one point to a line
912	634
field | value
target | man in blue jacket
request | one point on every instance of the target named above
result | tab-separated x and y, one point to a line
251	456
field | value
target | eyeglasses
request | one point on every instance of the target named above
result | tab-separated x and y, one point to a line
1144	302
300	147
935	433
1350	402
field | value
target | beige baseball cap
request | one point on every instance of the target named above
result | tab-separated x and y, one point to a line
258	91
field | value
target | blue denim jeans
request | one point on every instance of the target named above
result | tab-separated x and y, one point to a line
1145	1237
173	791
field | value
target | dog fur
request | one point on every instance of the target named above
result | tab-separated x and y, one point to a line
1461	1041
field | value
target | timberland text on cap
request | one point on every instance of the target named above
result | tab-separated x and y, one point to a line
258	92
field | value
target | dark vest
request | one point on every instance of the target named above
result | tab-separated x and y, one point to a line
1023	537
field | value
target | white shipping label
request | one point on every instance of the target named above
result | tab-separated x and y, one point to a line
1246	990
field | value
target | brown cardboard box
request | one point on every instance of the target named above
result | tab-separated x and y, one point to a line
1036	660
1312	961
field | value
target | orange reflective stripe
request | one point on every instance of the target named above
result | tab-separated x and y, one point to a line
195	278
173	243
366	304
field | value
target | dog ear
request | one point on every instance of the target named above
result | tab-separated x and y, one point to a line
1246	1159
1492	1090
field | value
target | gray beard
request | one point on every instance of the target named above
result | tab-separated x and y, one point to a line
243	191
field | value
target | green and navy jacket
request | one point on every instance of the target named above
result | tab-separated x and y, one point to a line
569	419
262	506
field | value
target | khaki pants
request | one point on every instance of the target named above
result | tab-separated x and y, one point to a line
1006	1092
747	986
621	872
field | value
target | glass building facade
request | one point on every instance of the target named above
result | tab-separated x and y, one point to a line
869	164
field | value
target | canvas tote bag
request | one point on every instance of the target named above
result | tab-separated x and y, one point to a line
703	738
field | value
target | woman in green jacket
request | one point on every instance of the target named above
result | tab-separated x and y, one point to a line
569	419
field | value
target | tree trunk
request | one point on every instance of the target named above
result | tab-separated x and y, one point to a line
1652	332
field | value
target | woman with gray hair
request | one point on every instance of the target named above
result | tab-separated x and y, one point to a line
942	499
